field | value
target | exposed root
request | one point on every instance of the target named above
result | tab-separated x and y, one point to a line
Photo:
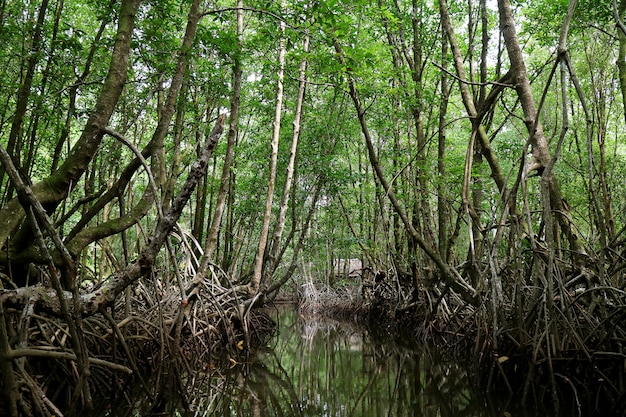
565	350
165	337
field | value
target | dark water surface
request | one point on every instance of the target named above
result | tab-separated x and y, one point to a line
324	368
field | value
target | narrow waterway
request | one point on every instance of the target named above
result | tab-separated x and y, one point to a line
316	367
326	368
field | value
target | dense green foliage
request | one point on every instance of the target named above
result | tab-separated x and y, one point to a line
379	42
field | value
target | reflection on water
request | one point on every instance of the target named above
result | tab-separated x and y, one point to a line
327	369
322	368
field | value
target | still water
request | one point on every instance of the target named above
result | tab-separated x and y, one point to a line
324	368
315	367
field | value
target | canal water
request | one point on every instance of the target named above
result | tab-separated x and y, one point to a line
323	368
317	367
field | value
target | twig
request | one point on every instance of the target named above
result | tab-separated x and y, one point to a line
474	83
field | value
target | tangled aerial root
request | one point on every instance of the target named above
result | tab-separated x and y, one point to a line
152	332
561	343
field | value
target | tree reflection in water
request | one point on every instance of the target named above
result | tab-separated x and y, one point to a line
321	368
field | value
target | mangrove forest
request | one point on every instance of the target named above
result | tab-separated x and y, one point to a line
450	173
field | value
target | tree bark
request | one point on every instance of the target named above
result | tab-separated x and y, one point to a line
233	128
15	135
541	158
621	58
259	260
85	236
449	275
81	236
73	93
468	101
284	204
442	193
105	296
56	187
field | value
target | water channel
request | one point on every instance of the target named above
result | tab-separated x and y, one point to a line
317	367
325	368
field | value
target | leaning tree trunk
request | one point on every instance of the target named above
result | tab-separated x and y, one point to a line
52	190
282	213
450	276
103	297
216	221
621	59
541	158
15	135
79	239
468	101
443	216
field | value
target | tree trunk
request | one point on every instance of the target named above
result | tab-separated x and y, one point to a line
284	204
449	275
468	101
81	236
103	297
621	58
442	193
255	282
540	153
73	93
14	143
233	129
417	110
56	187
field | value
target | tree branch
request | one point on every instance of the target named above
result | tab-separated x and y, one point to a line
104	296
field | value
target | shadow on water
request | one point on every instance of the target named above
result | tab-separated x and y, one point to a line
317	367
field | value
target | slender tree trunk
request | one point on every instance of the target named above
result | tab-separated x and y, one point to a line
27	164
477	180
255	282
421	215
298	246
417	109
400	55
233	128
203	199
14	143
176	157
540	153
449	275
442	189
56	187
227	256
468	101
621	58
284	204
73	93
